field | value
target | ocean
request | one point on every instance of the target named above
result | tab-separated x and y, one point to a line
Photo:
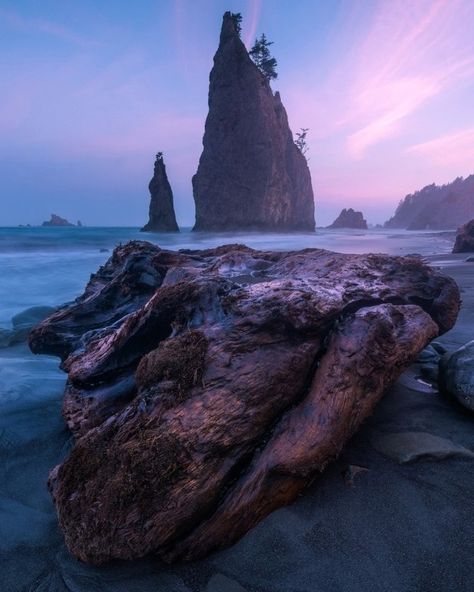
50	266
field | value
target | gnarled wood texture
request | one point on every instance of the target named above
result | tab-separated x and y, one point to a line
206	388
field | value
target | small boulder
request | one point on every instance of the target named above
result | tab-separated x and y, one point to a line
428	362
406	447
428	355
24	321
5	337
457	375
464	242
31	316
439	347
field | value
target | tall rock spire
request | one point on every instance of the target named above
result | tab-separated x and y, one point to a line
161	214
250	175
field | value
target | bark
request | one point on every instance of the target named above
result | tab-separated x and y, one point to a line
207	388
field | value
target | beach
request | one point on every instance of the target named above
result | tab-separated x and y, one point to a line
368	523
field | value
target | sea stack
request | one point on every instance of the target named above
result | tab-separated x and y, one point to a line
350	219
251	175
161	214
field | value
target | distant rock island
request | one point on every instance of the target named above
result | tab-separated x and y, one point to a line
58	221
436	207
161	214
251	175
349	218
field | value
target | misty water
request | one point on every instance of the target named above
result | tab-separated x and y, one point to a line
50	266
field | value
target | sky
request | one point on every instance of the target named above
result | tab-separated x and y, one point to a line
90	91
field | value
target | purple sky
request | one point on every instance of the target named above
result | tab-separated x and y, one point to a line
90	91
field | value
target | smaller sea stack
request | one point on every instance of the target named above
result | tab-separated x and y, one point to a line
161	214
350	219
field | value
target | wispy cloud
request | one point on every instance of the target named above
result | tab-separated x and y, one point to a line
407	96
457	148
17	21
252	17
410	55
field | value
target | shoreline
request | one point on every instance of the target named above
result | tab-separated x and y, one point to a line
389	526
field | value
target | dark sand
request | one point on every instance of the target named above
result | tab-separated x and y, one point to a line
397	527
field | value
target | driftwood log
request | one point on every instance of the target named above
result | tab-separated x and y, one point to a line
207	388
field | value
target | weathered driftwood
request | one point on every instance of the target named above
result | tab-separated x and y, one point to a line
206	388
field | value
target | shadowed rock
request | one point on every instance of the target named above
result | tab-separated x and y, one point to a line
406	447
349	219
464	242
250	175
207	388
22	323
57	221
161	214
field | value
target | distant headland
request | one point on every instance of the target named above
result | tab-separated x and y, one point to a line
436	207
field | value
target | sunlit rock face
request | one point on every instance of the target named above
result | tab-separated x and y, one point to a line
161	215
207	388
250	175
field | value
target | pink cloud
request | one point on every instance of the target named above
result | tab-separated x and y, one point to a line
410	55
383	71
407	96
450	149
